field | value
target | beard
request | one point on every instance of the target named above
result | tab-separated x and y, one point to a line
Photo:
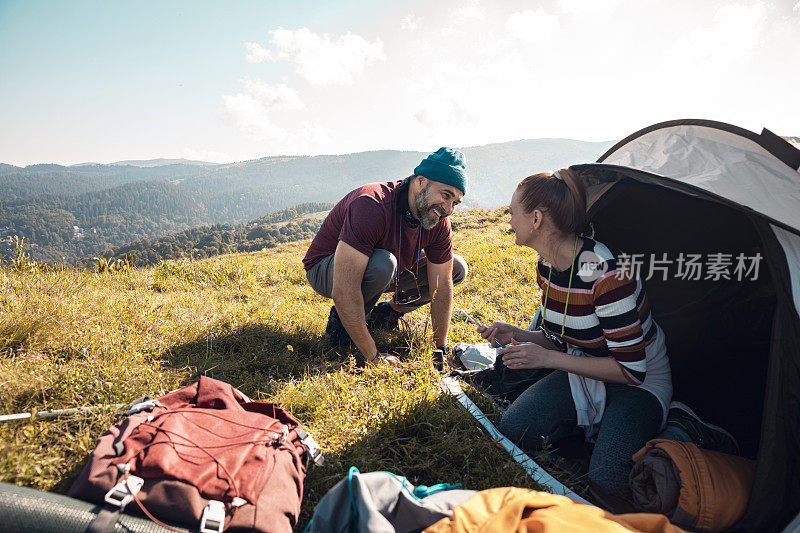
429	215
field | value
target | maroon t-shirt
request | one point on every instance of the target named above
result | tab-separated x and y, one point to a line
368	218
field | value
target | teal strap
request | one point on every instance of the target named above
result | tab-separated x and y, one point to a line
403	482
354	523
423	491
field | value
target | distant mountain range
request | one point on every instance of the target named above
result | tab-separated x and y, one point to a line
149	163
78	211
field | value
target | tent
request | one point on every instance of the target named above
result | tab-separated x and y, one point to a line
691	192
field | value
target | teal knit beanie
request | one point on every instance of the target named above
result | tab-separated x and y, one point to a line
446	165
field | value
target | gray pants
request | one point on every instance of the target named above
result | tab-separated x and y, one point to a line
379	277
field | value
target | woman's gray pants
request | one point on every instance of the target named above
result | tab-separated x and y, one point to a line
545	411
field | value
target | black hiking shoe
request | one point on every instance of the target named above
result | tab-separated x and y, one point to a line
384	317
681	420
338	338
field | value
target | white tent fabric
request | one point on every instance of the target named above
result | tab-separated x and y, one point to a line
728	165
720	162
791	247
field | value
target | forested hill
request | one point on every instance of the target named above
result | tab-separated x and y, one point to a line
62	228
65	213
34	180
293	224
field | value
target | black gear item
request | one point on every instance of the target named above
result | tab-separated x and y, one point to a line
384	317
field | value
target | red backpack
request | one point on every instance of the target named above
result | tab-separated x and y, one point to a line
202	455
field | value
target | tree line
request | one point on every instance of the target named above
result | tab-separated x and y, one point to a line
287	225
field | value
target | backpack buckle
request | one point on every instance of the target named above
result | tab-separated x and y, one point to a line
124	491
144	405
313	449
213	519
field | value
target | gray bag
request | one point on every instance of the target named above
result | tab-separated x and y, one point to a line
380	502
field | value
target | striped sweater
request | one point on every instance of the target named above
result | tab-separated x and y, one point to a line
608	314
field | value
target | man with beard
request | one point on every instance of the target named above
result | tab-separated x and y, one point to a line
390	237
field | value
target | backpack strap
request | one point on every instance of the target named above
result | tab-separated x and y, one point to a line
116	499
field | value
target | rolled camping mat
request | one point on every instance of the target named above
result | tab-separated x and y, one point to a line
27	510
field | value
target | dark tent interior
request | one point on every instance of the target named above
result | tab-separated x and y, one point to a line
729	341
718	330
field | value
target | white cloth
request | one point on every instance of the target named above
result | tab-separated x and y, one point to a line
589	395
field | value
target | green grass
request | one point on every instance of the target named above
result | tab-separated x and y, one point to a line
77	338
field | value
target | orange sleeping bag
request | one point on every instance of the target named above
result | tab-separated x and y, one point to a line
509	509
696	488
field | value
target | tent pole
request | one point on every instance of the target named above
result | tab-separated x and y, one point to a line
452	386
59	412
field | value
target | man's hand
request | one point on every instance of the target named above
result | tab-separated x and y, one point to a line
383	359
348	271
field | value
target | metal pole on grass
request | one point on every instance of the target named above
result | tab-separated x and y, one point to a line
59	412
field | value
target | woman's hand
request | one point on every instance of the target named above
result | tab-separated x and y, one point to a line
503	332
525	355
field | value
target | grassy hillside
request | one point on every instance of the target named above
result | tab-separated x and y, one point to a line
77	338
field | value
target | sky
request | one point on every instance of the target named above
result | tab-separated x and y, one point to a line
224	81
